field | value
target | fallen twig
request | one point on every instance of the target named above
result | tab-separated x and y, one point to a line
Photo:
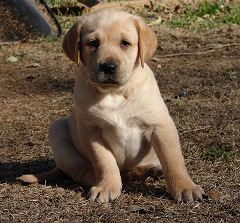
10	43
195	130
195	53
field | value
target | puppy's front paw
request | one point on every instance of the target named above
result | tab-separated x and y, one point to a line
186	191
104	192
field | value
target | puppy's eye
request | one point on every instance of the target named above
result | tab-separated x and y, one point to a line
125	44
93	43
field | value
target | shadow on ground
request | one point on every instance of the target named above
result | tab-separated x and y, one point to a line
9	171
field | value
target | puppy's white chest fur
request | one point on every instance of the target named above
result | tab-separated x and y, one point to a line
120	129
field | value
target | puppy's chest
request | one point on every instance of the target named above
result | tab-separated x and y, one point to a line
121	129
124	136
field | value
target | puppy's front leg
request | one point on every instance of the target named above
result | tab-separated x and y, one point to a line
108	176
167	146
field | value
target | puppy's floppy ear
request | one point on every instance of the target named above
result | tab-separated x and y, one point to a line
71	42
147	41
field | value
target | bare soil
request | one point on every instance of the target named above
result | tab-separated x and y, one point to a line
199	77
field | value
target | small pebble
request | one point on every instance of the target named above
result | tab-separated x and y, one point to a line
12	59
159	66
183	93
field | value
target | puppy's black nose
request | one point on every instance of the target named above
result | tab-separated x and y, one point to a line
108	67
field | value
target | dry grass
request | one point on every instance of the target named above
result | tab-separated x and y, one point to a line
202	93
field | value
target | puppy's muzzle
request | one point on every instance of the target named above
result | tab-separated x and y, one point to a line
107	73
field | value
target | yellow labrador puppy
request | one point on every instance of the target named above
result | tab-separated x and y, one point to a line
119	122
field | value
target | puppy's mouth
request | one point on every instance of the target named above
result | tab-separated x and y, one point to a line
104	78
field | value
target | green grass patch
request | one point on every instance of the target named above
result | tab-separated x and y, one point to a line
215	152
231	15
206	8
180	23
207	15
57	3
205	24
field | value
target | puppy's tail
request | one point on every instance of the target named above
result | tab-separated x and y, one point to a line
48	176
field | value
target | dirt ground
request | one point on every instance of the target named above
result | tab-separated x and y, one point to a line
199	77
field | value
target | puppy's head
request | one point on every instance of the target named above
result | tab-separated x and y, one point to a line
109	43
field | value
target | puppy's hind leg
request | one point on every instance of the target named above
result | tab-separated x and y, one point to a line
67	158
